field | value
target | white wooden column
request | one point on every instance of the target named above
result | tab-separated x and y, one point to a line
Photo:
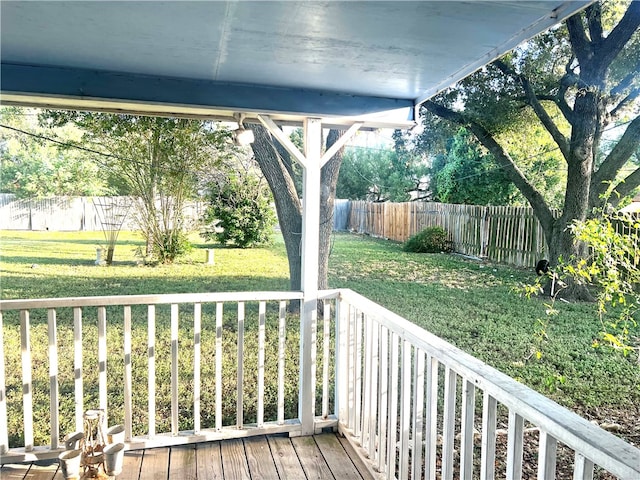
310	255
311	161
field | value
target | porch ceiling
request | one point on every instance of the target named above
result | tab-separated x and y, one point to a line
330	59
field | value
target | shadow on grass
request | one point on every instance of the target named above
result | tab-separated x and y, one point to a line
26	286
97	241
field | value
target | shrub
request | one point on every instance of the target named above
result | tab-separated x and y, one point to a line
239	211
429	240
170	245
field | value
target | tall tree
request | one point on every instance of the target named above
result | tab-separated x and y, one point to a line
578	79
382	174
279	170
160	159
34	166
466	174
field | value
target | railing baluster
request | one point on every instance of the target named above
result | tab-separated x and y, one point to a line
78	387
128	382
219	318
53	378
514	446
151	367
240	379
282	339
102	363
358	377
351	348
366	400
261	345
418	413
431	422
4	425
326	331
27	387
375	360
383	399
197	348
392	430
448	433
467	427
405	407
583	469
174	369
488	455
547	457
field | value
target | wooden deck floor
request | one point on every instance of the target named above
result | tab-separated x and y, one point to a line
325	456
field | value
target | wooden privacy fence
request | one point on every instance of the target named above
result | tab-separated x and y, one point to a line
510	235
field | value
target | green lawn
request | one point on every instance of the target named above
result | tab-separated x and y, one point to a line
468	303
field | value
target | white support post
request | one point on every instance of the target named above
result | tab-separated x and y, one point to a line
310	249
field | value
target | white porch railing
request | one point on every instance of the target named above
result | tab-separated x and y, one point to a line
408	400
112	352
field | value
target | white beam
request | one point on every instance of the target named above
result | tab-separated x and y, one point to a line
328	155
310	255
275	130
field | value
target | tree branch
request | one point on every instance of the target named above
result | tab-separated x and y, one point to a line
620	35
579	40
561	103
540	207
539	110
626	187
627	81
616	159
633	94
594	20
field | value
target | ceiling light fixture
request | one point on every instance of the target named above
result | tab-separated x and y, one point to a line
241	136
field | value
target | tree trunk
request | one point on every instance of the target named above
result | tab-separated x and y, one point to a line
289	207
328	183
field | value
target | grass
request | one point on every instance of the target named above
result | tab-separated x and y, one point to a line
470	304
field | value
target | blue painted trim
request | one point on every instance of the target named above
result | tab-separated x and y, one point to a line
80	83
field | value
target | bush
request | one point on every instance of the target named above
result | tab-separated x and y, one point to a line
239	211
170	245
429	240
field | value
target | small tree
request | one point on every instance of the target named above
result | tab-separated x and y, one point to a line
610	270
239	210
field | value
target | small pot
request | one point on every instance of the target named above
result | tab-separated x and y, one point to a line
115	434
70	463
72	440
113	458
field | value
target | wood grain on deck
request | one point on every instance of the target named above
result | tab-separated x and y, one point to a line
264	458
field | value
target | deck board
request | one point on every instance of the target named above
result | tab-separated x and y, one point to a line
285	458
38	472
259	458
311	458
132	465
234	460
14	471
155	464
209	461
336	458
276	457
182	462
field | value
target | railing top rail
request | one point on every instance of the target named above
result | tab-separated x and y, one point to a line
27	304
598	445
